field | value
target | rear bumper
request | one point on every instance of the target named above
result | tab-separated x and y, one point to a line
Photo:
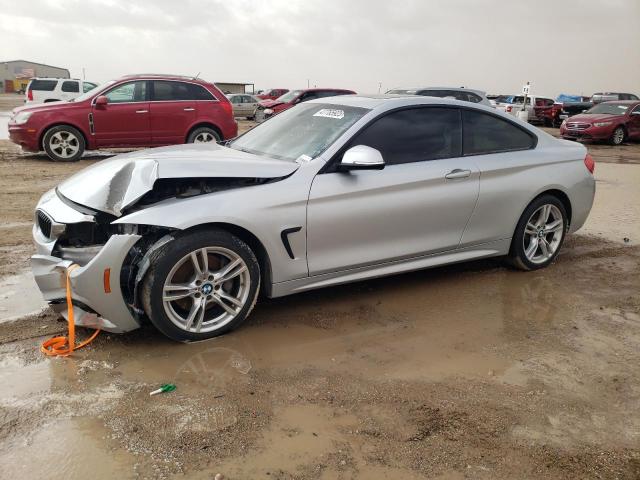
26	137
97	298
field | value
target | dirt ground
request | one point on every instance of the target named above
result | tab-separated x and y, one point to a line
468	371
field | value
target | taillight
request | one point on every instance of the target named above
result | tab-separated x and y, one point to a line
30	95
589	163
509	109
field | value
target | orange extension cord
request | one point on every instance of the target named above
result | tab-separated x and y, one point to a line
64	346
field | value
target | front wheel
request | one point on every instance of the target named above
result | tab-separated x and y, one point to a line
63	143
539	234
617	137
201	285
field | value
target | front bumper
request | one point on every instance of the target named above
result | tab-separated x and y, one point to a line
592	133
24	136
97	297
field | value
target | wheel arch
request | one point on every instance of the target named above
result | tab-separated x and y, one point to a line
559	194
62	124
250	239
204	124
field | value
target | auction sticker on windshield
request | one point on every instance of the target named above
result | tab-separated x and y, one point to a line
329	113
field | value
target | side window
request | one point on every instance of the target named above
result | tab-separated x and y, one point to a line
473	97
198	92
485	133
43	85
636	110
128	92
70	86
235	99
165	91
633	97
415	135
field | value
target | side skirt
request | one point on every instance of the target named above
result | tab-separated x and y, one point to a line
485	250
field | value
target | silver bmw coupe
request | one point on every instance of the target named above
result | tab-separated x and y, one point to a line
331	191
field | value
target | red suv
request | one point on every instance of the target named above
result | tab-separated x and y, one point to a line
133	111
268	108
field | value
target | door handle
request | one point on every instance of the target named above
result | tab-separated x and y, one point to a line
457	173
142	111
188	109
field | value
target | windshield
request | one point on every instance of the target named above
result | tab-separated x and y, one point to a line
608	109
287	97
93	91
300	133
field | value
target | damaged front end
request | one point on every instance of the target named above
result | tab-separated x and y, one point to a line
74	224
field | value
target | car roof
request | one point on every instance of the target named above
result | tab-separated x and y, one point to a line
321	89
621	102
390	101
159	76
457	89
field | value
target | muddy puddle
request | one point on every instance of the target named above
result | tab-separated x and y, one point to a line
291	391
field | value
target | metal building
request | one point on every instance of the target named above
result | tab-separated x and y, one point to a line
234	87
15	72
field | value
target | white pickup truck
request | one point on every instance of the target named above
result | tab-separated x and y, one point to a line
513	105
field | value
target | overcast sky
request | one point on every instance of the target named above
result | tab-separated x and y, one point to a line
570	46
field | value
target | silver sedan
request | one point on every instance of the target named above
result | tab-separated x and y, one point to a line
244	105
330	191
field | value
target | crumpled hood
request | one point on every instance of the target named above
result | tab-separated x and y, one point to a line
112	185
269	103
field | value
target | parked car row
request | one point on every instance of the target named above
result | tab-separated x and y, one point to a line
155	110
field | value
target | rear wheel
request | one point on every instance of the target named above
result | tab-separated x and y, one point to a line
204	135
63	143
201	285
539	234
617	137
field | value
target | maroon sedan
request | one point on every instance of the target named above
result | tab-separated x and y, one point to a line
133	111
611	121
268	108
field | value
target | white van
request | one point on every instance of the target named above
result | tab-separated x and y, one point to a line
44	90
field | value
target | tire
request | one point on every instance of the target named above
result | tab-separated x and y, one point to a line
204	135
173	272
528	252
618	136
63	143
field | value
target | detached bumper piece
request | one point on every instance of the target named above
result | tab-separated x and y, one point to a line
97	296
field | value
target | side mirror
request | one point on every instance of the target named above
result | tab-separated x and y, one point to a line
361	157
102	100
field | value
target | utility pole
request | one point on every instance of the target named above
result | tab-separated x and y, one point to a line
379	86
83	77
307	83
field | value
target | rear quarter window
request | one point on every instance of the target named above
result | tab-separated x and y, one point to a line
44	85
70	86
484	133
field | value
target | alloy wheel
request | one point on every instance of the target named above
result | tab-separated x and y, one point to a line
618	136
543	233
206	289
64	144
204	137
